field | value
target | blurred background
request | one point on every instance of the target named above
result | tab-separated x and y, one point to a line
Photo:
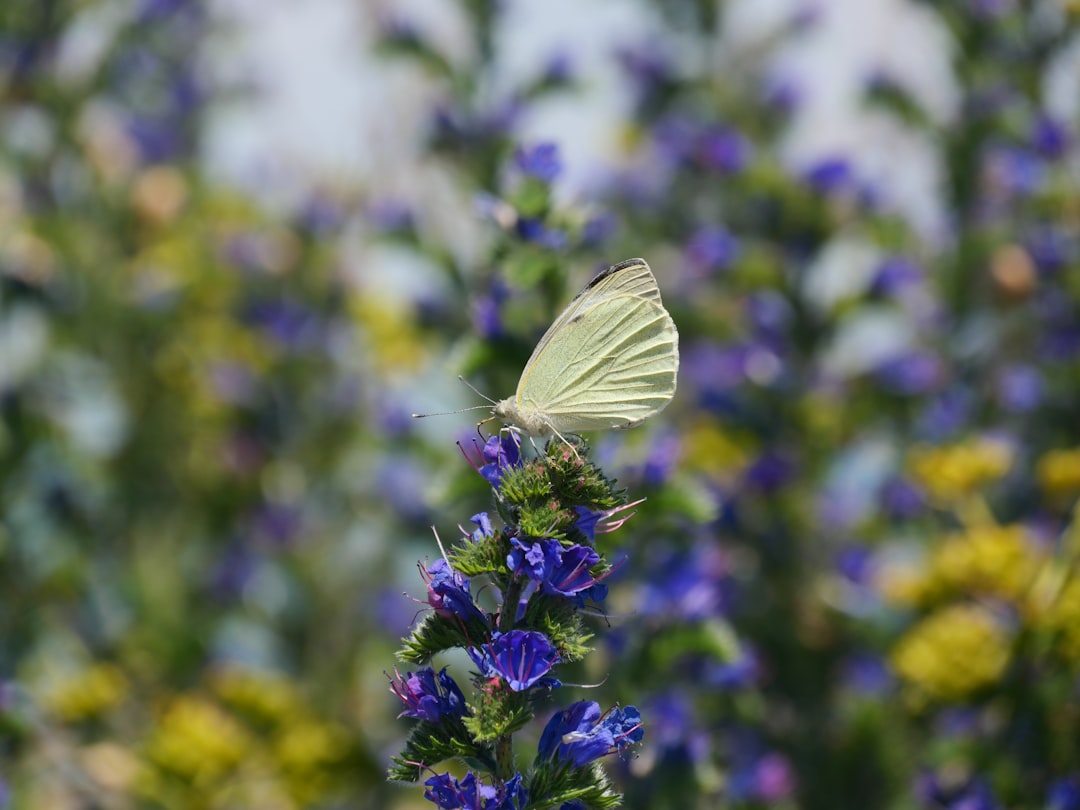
240	242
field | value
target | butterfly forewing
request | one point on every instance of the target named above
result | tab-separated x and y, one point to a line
610	360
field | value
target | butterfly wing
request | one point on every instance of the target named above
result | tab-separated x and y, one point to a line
609	361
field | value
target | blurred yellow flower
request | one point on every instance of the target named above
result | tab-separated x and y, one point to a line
198	742
87	694
713	451
266	696
995	560
953	652
1059	472
952	472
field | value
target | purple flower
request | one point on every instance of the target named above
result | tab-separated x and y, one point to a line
770	314
946	414
1020	388
769	471
500	452
1064	794
560	570
645	64
448	793
867	674
723	150
540	161
534	230
428	695
897	273
290	324
711	248
487	311
830	175
687	586
740	672
580	735
1049	247
973	794
598	229
391	216
277	523
484	529
589	523
901	499
1049	137
448	593
521	658
1013	171
911	374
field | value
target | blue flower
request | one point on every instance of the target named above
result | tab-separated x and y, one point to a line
1020	388
521	658
897	273
579	734
534	230
470	794
830	175
500	452
540	161
1049	137
973	794
484	529
428	695
559	570
711	248
1064	794
724	149
448	593
910	374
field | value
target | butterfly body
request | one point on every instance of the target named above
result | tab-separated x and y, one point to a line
609	361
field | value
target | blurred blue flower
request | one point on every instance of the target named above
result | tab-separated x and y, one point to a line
1049	137
911	374
579	734
688	585
901	499
991	9
401	484
740	672
760	776
234	570
724	149
487	310
894	275
598	229
1050	247
1020	388
277	523
770	471
770	314
1013	171
1064	794
945	414
428	695
855	563
711	248
941	794
867	674
522	658
289	323
391	216
830	175
541	161
534	230
645	64
665	449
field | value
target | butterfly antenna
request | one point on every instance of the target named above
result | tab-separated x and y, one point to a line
473	389
448	413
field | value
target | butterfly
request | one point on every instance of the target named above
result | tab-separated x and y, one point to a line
609	361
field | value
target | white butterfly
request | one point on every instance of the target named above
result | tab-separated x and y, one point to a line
609	361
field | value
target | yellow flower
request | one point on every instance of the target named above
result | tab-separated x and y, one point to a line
199	742
953	653
1059	471
87	694
266	696
955	471
996	560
